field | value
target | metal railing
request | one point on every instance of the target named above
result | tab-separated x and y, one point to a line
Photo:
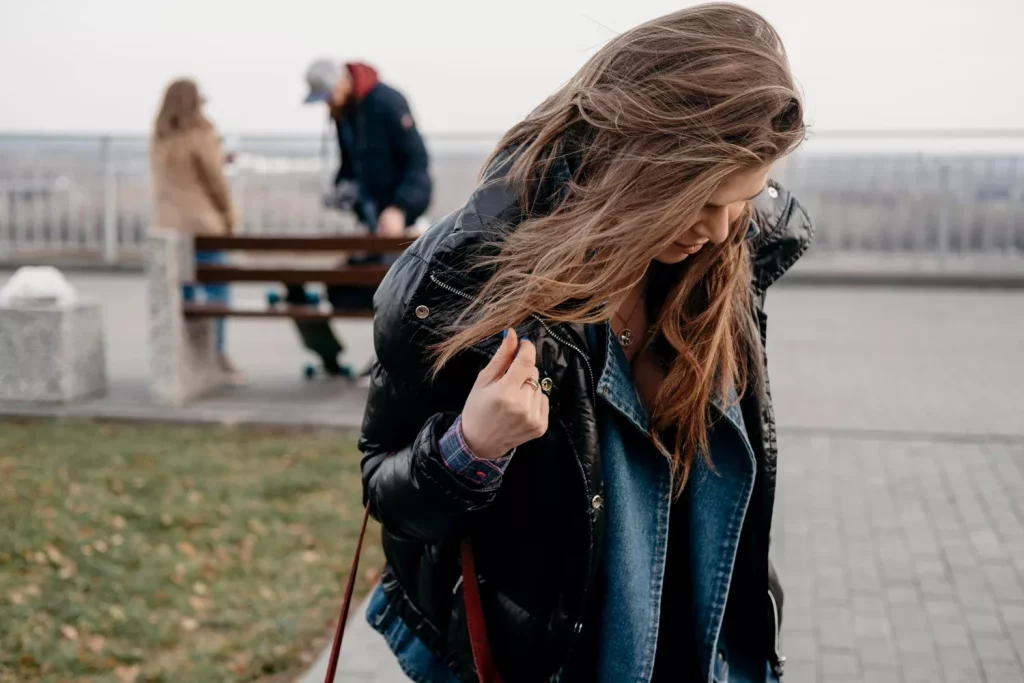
933	195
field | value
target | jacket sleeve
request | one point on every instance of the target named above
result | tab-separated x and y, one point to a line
409	488
413	193
208	160
346	170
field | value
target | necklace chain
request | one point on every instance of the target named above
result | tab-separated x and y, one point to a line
626	336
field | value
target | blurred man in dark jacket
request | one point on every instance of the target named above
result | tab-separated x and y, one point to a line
383	171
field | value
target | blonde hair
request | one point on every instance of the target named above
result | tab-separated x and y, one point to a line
181	110
651	126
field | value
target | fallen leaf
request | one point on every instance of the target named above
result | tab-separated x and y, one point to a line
310	556
309	540
69	569
195	497
75	489
28	661
116	540
52	553
40	557
97	643
257	527
178	575
127	674
101	546
163	550
187	549
87	550
189	624
116	612
199	587
166	519
118	522
33	590
266	593
69	632
16	598
197	603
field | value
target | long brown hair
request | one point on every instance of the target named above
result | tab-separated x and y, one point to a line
181	110
652	125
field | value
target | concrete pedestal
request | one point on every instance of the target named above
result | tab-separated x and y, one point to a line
51	353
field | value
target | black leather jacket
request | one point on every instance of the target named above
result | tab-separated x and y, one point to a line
537	538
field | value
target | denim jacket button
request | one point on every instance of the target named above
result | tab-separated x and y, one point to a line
546	384
597	502
422	312
773	192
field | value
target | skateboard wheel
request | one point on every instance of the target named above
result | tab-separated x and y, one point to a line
273	298
310	371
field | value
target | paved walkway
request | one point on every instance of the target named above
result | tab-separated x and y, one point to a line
900	525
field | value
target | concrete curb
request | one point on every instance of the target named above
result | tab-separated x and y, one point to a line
98	410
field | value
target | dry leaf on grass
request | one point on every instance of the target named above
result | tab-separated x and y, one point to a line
69	631
116	613
189	624
127	674
96	643
187	549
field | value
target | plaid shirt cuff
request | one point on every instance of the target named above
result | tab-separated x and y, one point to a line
461	459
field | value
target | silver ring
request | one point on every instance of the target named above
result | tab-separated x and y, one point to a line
532	381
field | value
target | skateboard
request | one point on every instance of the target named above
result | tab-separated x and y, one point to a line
318	337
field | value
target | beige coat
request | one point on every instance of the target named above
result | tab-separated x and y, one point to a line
190	191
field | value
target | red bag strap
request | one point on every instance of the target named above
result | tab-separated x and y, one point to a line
339	630
474	613
475	623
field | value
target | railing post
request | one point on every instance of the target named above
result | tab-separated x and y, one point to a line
109	202
945	210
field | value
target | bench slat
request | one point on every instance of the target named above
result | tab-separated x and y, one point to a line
194	310
377	245
370	275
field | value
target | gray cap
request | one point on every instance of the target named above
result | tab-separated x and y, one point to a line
322	76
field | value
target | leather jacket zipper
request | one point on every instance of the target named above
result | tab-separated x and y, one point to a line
780	661
586	361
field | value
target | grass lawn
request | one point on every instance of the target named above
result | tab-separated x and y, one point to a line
141	553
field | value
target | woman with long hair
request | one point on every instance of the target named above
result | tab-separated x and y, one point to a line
569	439
190	190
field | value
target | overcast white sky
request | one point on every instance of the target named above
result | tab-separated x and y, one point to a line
480	65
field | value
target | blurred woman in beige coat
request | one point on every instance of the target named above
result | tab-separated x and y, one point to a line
190	190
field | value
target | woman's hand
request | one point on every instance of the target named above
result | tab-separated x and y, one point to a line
504	410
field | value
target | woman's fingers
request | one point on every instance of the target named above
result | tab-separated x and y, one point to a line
524	365
501	360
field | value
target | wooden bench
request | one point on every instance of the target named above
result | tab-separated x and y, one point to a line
295	247
182	335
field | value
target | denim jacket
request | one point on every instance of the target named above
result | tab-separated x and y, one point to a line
638	499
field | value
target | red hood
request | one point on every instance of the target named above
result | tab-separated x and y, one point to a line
364	79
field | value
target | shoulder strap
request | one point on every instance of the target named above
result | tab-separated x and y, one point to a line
339	630
475	623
